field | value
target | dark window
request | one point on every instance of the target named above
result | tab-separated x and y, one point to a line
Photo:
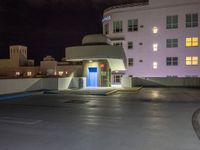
106	28
171	43
132	25
130	62
191	20
172	22
172	61
130	45
117	26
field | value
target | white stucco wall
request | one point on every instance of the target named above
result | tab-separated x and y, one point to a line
143	55
8	86
20	85
64	83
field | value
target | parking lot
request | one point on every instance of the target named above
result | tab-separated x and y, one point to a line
152	118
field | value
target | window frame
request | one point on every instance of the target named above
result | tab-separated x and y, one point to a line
117	78
171	43
192	42
130	62
117	26
130	45
106	28
192	20
192	60
133	25
171	61
172	22
118	44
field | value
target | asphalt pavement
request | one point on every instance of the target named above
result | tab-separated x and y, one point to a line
151	119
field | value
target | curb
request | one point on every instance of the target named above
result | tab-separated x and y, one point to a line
131	90
10	97
111	92
19	95
196	122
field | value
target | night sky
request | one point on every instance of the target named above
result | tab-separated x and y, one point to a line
48	26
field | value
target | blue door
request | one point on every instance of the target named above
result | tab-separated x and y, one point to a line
92	77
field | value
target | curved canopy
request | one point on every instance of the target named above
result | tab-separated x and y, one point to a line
114	54
95	39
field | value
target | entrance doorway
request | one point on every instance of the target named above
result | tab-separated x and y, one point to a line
92	77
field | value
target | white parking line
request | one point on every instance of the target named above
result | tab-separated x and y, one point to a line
22	121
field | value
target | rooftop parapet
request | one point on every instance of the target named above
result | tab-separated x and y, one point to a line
126	5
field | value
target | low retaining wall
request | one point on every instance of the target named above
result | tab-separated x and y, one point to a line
166	82
8	86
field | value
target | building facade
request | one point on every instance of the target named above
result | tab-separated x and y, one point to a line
19	66
160	38
100	59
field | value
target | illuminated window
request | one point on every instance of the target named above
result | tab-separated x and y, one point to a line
29	73
155	65
60	73
191	60
17	73
130	62
106	28
192	42
172	22
130	45
117	26
155	30
171	43
155	47
191	20
132	25
195	60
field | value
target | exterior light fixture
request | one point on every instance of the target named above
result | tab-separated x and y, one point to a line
155	30
155	65
155	47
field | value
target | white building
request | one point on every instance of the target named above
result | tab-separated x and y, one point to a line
160	37
100	60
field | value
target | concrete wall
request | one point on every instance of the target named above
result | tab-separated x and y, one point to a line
50	83
64	83
166	82
20	85
8	86
126	82
78	83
